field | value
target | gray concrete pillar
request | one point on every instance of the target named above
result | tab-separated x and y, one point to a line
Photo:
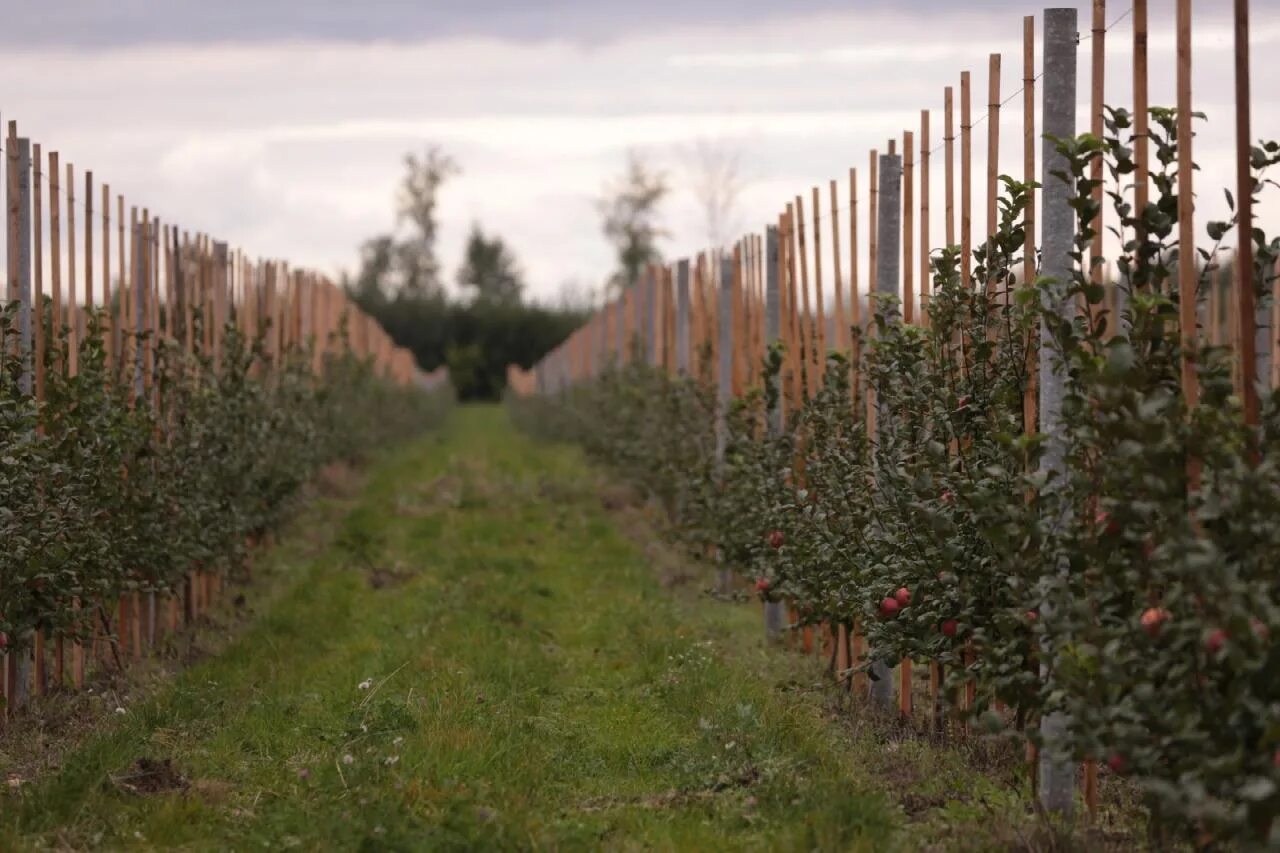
775	615
888	273
724	384
682	318
1058	230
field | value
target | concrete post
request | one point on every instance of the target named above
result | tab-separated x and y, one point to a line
888	271
724	385
1058	229
889	225
21	662
774	611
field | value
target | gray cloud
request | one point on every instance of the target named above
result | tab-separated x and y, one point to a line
291	148
115	23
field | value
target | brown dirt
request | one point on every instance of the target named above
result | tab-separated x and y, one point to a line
614	497
147	776
381	577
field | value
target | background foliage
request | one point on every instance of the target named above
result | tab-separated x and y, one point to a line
488	323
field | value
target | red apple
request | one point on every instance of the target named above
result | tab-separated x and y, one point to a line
950	627
1117	763
963	402
1215	641
1032	616
1104	520
776	539
889	608
762	584
947	497
1153	618
903	595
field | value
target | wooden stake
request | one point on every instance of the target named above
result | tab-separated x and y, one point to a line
855	298
737	320
88	240
37	278
925	272
842	322
1141	154
949	164
1246	315
993	160
1186	221
873	239
122	309
109	343
821	351
966	173
1097	127
784	401
13	206
807	336
73	301
55	259
908	227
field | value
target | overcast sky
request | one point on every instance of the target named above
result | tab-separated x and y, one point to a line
281	125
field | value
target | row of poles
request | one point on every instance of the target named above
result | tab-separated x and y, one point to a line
735	303
167	288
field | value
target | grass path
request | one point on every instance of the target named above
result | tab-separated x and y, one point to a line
527	683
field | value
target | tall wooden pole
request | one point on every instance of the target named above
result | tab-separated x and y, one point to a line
1246	316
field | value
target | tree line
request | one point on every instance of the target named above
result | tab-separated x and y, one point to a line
488	322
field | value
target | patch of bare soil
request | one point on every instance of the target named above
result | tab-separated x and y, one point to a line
148	776
381	577
615	497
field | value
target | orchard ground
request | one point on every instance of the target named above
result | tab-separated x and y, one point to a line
484	649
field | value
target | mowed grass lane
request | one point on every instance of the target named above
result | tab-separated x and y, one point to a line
479	660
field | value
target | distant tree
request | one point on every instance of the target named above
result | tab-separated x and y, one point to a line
416	204
397	268
716	179
374	282
489	269
399	284
630	213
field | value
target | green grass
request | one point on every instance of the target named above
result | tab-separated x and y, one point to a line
533	686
